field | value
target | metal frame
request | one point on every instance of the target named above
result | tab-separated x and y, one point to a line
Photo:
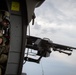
18	29
18	20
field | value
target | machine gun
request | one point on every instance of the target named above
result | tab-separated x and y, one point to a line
44	47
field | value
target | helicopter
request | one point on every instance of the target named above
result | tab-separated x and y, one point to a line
21	13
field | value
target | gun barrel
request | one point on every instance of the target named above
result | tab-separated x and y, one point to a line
63	52
62	47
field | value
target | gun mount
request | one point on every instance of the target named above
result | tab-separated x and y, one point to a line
44	47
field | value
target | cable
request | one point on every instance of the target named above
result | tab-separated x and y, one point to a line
29	35
42	69
29	30
27	48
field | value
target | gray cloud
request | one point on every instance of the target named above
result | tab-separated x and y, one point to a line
57	12
56	19
37	26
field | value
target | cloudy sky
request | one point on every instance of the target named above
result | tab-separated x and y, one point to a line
56	20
